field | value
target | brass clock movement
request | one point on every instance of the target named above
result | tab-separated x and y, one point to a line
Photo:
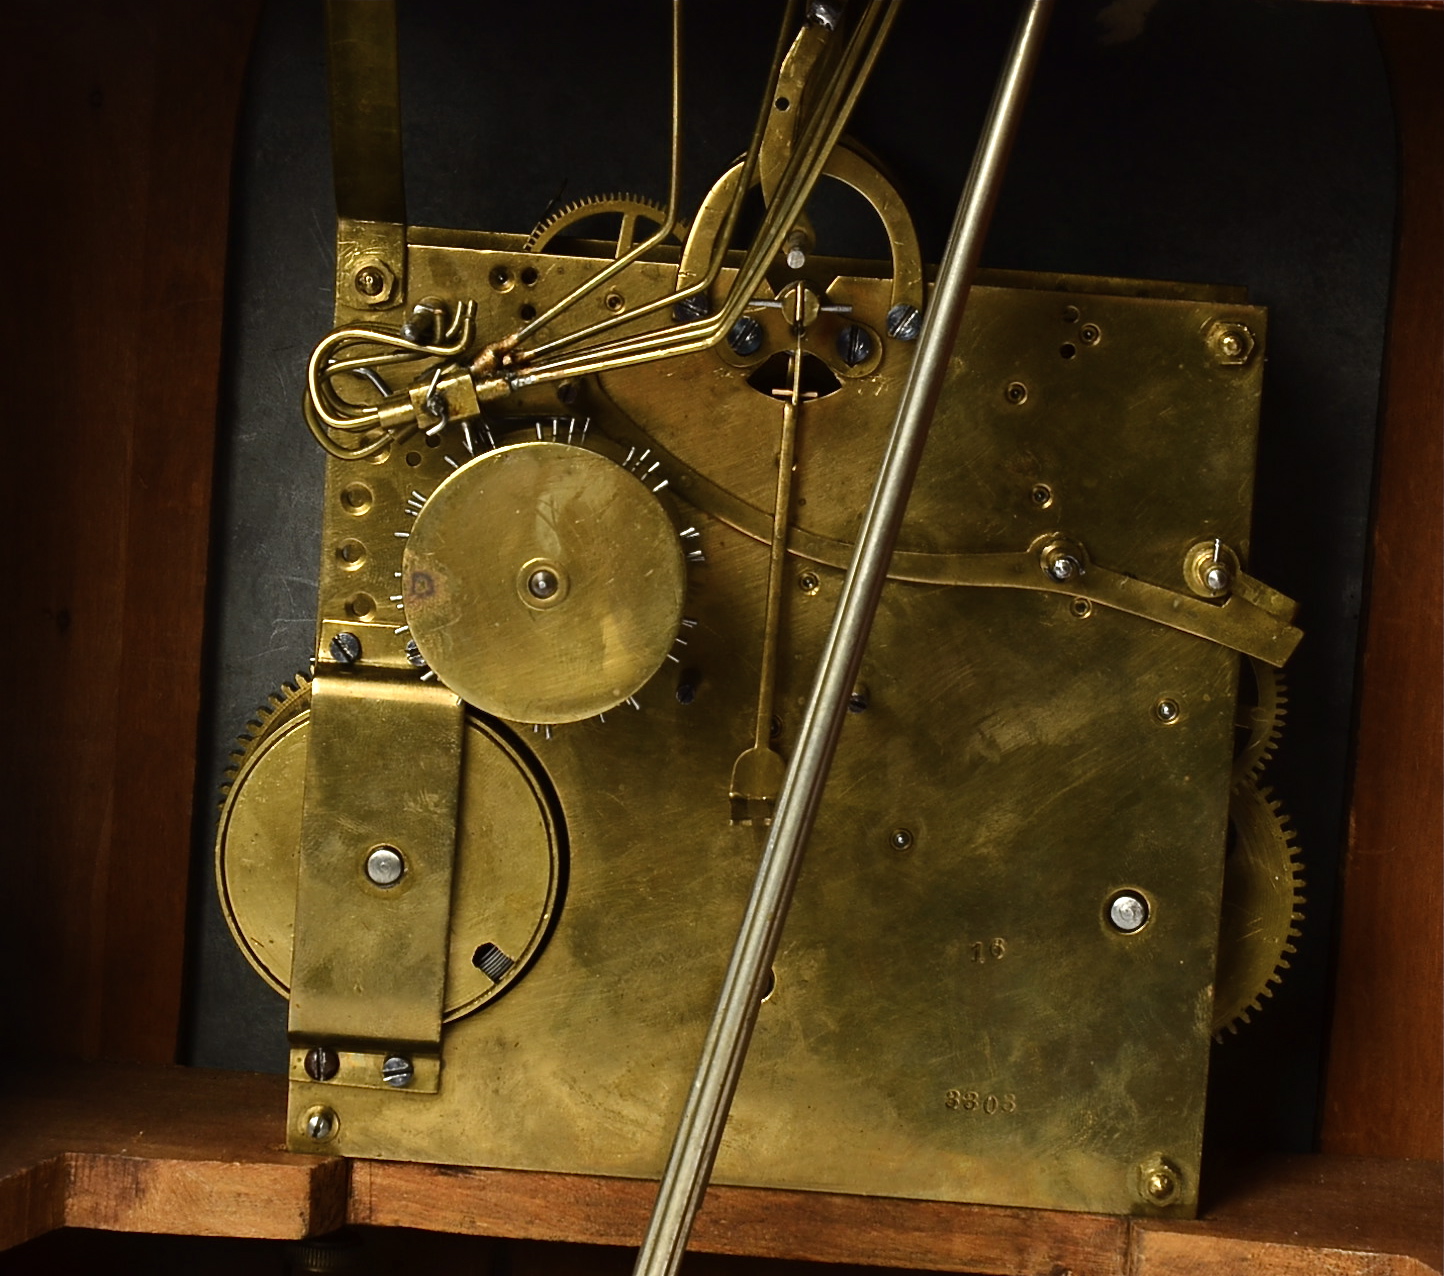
590	498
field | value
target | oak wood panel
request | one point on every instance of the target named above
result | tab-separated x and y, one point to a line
1384	1093
118	156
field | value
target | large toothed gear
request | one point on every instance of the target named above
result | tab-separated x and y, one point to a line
630	208
510	855
1262	904
293	698
1262	719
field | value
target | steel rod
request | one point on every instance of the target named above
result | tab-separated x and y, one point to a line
699	1134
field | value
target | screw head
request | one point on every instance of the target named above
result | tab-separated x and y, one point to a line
370	282
854	344
345	648
901	839
1062	567
1231	344
1160	1182
320	1124
322	1063
904	322
690	308
1167	711
384	866
1217	579
397	1071
809	582
858	701
1016	393
1127	912
1089	334
746	336
543	583
413	654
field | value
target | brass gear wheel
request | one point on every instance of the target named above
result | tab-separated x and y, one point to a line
1262	901
630	208
510	863
1262	720
281	706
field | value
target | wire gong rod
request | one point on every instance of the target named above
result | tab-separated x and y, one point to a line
699	1134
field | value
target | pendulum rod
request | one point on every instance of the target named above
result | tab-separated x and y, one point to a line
699	1134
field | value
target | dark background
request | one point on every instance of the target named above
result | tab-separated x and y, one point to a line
1232	142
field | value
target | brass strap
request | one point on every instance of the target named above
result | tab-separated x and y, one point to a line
365	110
382	769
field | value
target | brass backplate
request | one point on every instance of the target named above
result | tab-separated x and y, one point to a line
953	1015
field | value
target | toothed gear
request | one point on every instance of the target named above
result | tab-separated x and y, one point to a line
280	707
1262	902
629	207
1263	720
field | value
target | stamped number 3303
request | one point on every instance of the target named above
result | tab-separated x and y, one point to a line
973	1101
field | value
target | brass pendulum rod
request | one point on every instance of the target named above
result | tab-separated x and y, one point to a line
699	1133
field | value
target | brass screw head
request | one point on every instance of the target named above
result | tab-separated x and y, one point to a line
374	282
1230	344
1160	1181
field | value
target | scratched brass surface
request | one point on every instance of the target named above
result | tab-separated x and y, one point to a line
952	1020
543	583
508	869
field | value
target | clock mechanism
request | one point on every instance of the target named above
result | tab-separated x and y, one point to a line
591	497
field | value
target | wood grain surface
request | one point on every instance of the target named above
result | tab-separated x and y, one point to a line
118	159
1384	1094
185	1151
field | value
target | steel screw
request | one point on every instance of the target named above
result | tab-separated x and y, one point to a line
1088	334
690	308
854	345
1016	393
746	336
384	866
1217	579
809	582
322	1063
320	1124
345	648
421	324
900	839
1167	711
1063	567
904	322
370	282
1128	912
858	701
397	1071
413	654
543	583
